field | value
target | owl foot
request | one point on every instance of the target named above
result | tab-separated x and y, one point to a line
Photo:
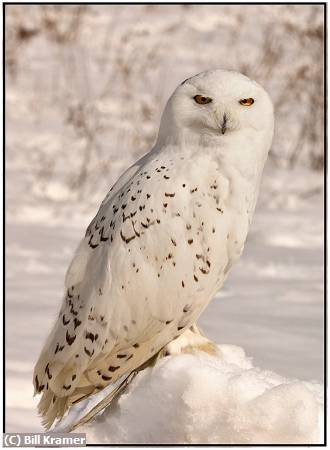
190	341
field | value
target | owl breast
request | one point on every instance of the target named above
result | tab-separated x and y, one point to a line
177	230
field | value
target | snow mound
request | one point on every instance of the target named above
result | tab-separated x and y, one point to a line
197	398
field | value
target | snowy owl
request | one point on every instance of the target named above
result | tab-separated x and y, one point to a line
162	242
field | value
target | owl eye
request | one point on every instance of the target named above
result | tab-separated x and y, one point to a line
247	101
202	100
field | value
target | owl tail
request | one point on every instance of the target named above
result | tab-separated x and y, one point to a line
51	407
116	389
114	393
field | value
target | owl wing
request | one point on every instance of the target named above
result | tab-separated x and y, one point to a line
81	336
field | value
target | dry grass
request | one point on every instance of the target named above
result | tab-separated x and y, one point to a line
105	76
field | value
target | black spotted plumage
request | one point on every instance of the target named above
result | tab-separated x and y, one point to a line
158	249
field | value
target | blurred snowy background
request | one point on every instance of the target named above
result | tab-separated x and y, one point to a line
85	87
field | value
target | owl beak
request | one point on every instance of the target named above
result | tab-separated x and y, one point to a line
224	124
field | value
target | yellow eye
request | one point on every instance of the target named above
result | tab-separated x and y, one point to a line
247	101
202	100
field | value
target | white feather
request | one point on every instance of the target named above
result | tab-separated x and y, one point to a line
162	241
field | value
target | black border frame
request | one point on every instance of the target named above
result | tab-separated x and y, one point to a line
325	63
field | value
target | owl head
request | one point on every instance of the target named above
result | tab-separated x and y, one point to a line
218	104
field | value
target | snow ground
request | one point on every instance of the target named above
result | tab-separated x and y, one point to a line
197	398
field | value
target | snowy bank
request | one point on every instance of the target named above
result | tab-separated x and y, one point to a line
197	398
